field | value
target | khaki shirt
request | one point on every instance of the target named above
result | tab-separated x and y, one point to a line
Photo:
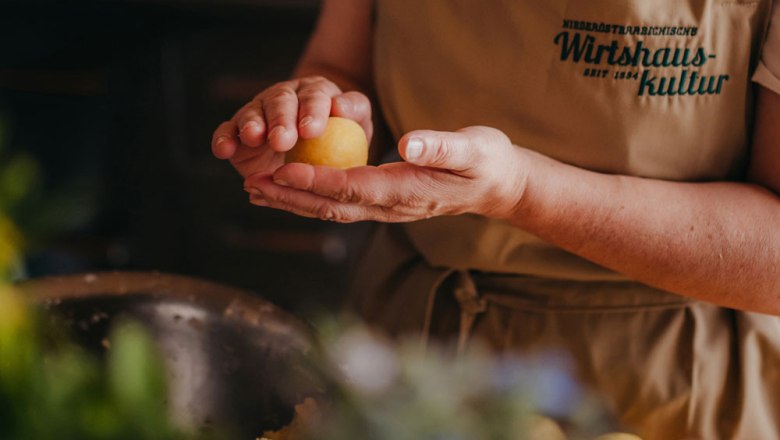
658	89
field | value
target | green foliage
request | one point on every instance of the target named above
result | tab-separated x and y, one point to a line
51	388
137	381
10	243
38	212
18	175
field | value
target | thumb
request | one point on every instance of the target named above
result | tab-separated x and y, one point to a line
438	149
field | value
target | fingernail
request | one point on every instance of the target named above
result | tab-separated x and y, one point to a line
414	149
281	182
276	132
253	191
221	139
305	121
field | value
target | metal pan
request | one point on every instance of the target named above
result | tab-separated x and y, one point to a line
233	358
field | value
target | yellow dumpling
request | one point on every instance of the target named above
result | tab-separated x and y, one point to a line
343	145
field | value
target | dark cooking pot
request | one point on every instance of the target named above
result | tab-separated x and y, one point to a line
233	359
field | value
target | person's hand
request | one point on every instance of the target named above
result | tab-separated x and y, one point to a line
475	170
259	134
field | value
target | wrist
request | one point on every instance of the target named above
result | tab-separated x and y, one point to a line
509	201
532	171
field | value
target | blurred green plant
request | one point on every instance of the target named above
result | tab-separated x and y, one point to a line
28	209
16	174
49	386
10	243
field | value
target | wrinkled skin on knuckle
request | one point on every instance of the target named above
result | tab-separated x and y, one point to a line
329	212
327	86
403	203
316	80
348	195
415	205
441	152
345	191
392	215
312	94
282	198
270	91
280	94
373	196
313	79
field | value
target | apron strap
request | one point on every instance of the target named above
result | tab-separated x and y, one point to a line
471	305
470	302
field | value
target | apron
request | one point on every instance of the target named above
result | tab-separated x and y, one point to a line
655	89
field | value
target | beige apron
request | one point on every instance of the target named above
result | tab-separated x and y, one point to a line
658	89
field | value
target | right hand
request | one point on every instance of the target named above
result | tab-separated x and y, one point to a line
259	134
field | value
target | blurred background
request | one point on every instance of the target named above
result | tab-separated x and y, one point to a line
116	101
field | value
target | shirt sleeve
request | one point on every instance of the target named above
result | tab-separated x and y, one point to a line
768	71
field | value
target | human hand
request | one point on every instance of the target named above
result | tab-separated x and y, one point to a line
474	170
256	138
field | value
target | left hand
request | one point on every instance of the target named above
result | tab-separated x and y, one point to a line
474	170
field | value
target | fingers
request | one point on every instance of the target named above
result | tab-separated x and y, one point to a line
264	192
268	194
224	142
314	100
251	124
355	106
398	185
346	186
280	107
248	161
456	151
277	116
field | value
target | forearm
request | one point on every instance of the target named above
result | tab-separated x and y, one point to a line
340	47
717	242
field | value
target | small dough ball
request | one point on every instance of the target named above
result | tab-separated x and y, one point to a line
343	145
